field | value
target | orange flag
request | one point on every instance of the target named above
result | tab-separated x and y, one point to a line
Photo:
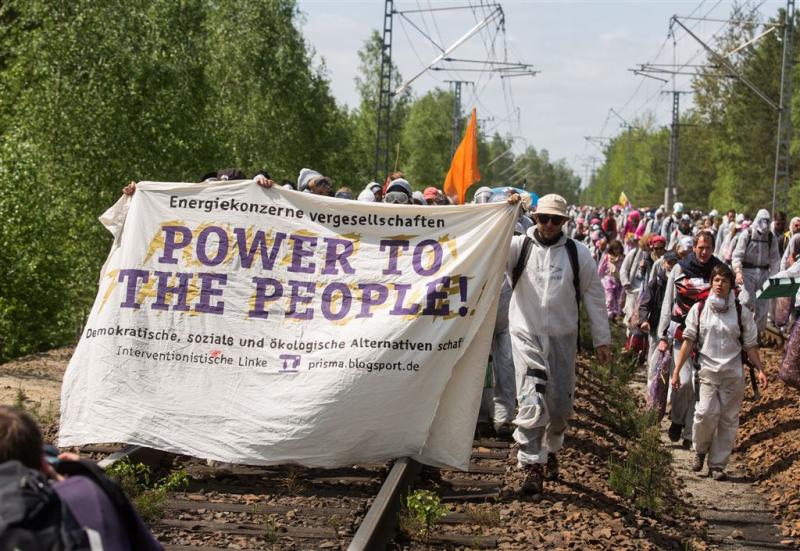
464	166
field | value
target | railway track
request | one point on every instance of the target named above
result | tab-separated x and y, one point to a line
290	507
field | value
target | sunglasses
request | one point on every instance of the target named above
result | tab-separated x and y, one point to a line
549	219
658	248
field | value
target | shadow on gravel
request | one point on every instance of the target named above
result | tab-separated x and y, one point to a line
595	500
744	479
588	446
780	466
769	434
768	405
592	416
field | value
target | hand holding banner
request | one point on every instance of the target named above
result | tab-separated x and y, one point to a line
268	326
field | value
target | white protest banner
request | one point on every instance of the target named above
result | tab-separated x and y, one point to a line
267	326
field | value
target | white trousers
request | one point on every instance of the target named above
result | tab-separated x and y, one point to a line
716	417
554	356
504	390
754	278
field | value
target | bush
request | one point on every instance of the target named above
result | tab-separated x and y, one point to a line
423	509
644	477
148	496
622	412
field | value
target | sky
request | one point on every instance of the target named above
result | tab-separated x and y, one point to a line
584	50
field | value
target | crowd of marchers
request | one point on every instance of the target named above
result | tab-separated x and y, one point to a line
683	285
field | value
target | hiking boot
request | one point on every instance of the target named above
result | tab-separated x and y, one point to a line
686	444
533	481
552	467
503	430
674	432
482	429
697	463
717	474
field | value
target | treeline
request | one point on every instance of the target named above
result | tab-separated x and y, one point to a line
96	93
726	141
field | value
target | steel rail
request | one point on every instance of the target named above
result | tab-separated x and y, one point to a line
135	454
378	526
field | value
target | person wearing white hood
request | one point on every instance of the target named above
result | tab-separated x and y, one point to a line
670	223
504	390
398	192
755	257
371	193
724	230
722	329
684	229
311	181
551	275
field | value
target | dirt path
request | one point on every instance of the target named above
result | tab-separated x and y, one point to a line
34	382
738	517
37	377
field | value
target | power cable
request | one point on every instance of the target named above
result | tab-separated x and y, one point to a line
413	49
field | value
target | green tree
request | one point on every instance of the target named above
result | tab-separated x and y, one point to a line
365	117
496	151
270	108
93	104
426	139
96	93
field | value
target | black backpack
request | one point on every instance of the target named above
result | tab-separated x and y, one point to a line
32	517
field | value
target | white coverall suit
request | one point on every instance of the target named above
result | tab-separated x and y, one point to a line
757	258
668	226
504	391
543	319
716	416
631	278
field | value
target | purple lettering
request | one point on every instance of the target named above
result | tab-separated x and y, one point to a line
332	256
262	297
207	290
435	295
222	247
435	266
298	253
394	246
398	309
259	244
327	301
165	290
133	277
171	244
296	298
372	294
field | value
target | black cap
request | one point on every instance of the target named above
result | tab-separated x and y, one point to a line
231	174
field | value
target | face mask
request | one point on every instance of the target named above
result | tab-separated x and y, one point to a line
762	225
717	303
